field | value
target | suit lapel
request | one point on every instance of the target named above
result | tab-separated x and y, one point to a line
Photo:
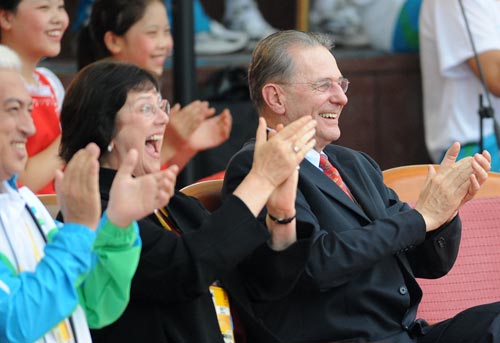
327	186
351	176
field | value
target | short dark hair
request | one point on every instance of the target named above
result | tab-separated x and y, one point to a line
93	100
116	16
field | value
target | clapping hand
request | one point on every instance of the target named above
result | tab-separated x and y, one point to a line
134	198
277	157
449	188
291	145
192	129
78	188
212	132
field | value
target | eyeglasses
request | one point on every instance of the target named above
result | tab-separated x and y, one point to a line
149	109
324	85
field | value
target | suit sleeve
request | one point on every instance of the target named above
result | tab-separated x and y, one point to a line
178	268
436	256
269	274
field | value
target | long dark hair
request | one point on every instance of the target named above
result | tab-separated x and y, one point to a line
116	16
93	100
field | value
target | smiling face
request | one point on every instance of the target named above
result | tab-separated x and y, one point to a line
36	28
140	125
148	42
16	124
314	90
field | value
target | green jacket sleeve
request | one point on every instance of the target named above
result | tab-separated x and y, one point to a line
105	291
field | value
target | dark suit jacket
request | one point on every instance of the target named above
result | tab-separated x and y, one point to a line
358	284
170	299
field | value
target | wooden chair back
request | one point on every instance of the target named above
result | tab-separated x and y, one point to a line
208	192
407	181
51	202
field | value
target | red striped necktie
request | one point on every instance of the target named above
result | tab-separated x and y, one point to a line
333	174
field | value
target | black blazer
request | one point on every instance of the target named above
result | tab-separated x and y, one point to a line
170	299
358	283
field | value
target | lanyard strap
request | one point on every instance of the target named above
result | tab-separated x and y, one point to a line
219	295
165	221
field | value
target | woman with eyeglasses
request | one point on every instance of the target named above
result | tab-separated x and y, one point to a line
174	294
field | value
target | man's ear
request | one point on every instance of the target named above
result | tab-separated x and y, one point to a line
113	42
273	97
6	19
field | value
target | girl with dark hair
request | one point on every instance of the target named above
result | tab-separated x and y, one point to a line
34	30
138	32
185	249
242	26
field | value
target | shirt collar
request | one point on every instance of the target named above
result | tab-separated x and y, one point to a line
313	157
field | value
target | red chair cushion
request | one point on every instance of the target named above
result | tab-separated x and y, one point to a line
475	277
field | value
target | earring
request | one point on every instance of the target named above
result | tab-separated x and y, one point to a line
110	147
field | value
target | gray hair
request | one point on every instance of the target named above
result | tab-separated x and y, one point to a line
9	59
272	62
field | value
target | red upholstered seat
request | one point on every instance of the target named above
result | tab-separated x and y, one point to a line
216	176
475	277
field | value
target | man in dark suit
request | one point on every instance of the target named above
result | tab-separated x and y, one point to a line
353	280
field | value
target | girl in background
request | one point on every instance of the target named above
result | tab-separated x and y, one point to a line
138	32
34	29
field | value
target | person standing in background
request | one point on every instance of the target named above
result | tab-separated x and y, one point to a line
450	74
